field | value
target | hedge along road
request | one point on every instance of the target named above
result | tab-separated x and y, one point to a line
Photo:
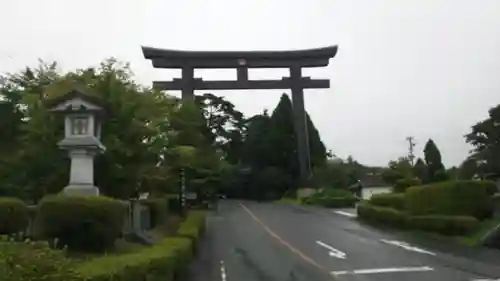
249	241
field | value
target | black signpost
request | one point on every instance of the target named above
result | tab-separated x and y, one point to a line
241	61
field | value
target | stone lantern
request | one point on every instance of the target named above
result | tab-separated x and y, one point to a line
82	131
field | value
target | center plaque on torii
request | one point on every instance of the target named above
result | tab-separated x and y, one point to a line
241	61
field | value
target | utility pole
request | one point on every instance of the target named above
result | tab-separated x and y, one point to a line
411	145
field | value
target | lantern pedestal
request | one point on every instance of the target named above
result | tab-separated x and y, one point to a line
81	181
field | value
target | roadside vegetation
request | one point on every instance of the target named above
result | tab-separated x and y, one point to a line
152	138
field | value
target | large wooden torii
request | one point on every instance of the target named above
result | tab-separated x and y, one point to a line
295	60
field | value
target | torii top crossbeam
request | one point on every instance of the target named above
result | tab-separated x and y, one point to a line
165	58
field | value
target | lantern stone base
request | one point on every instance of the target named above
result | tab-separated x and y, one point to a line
81	190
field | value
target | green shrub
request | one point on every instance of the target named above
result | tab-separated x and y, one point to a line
158	209
332	202
402	184
165	261
81	223
448	225
454	198
382	215
392	200
34	261
193	226
13	215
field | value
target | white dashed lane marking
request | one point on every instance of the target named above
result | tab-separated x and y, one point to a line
408	247
344	213
382	270
223	271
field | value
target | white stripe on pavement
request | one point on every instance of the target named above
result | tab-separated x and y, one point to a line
347	214
223	271
408	247
332	251
383	270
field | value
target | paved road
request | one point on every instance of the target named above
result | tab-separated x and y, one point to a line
249	241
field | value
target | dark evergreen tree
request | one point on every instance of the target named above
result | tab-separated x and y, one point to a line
435	169
419	169
316	146
257	149
284	141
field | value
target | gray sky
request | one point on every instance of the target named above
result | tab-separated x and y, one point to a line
427	68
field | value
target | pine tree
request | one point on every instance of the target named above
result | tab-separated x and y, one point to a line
419	169
316	146
283	137
435	169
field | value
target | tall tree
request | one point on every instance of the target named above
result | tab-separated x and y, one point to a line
435	169
283	137
419	169
226	125
398	169
317	147
485	137
258	149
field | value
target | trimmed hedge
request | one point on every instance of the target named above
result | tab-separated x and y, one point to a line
81	223
454	198
392	200
448	225
383	215
165	261
193	227
332	198
14	215
332	202
402	185
34	261
158	209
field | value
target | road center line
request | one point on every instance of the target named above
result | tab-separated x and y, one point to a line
223	271
333	252
283	242
345	214
383	270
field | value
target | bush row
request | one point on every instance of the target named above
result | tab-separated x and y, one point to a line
332	198
391	200
193	227
14	215
164	261
332	202
167	260
454	198
443	224
80	223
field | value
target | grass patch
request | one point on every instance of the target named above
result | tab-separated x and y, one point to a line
474	238
293	201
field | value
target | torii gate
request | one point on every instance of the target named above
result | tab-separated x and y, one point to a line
295	60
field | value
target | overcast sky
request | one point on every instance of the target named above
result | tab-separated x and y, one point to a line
426	68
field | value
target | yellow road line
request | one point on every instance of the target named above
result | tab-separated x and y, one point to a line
283	242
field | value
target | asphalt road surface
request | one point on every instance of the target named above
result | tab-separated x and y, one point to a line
250	241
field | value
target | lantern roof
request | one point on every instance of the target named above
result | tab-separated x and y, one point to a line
76	101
